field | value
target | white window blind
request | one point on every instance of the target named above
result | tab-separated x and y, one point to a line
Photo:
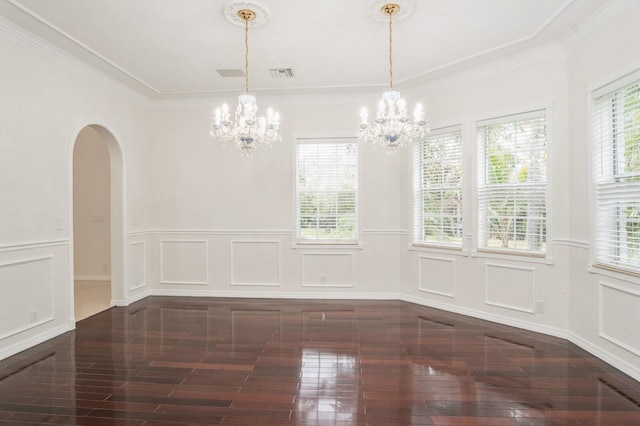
616	156
437	188
327	190
512	175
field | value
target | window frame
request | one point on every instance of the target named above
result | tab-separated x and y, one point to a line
544	112
418	193
325	243
597	263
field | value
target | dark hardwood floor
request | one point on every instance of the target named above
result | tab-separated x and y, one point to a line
290	362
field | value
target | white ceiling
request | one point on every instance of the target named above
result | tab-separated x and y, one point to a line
172	48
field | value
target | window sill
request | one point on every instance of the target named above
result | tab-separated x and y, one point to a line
513	256
613	272
327	245
444	249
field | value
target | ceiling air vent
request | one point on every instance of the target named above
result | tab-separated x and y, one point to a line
230	73
281	73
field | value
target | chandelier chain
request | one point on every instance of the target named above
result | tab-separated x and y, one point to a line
246	55
390	52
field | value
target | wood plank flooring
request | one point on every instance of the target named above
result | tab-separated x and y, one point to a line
289	362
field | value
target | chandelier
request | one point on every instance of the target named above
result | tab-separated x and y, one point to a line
247	129
392	128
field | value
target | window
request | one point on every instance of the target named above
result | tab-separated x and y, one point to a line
437	188
327	190
512	170
616	136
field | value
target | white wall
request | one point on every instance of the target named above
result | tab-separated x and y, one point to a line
605	307
91	207
47	98
224	224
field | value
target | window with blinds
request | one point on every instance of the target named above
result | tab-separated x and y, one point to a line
616	157
437	188
326	190
512	183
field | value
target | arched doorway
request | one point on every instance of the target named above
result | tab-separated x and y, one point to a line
97	222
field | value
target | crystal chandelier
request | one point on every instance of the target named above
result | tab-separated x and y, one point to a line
247	128
392	128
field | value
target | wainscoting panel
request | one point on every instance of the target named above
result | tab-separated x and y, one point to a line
510	287
436	275
620	316
20	280
183	262
255	262
137	265
327	269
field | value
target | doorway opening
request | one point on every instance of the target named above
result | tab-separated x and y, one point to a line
97	222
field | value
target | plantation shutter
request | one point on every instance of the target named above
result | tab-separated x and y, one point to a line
326	190
437	185
616	157
512	175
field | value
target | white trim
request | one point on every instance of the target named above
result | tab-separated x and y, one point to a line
601	17
616	81
92	277
132	299
512	256
206	263
144	266
35	340
23	261
150	232
596	269
33	245
569	242
401	232
626	367
231	260
27	327
487	316
34	44
256	294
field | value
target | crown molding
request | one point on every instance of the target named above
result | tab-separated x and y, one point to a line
601	17
27	40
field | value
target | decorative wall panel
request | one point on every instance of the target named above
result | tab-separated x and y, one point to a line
183	262
255	263
20	280
510	287
436	275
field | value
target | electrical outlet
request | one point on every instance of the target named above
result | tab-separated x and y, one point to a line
33	316
539	307
323	279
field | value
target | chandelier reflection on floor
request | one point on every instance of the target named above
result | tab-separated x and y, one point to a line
392	127
247	129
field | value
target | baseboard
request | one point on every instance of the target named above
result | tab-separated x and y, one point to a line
92	277
35	340
272	295
622	365
499	319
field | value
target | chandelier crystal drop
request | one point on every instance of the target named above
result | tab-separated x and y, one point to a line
247	129
392	128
